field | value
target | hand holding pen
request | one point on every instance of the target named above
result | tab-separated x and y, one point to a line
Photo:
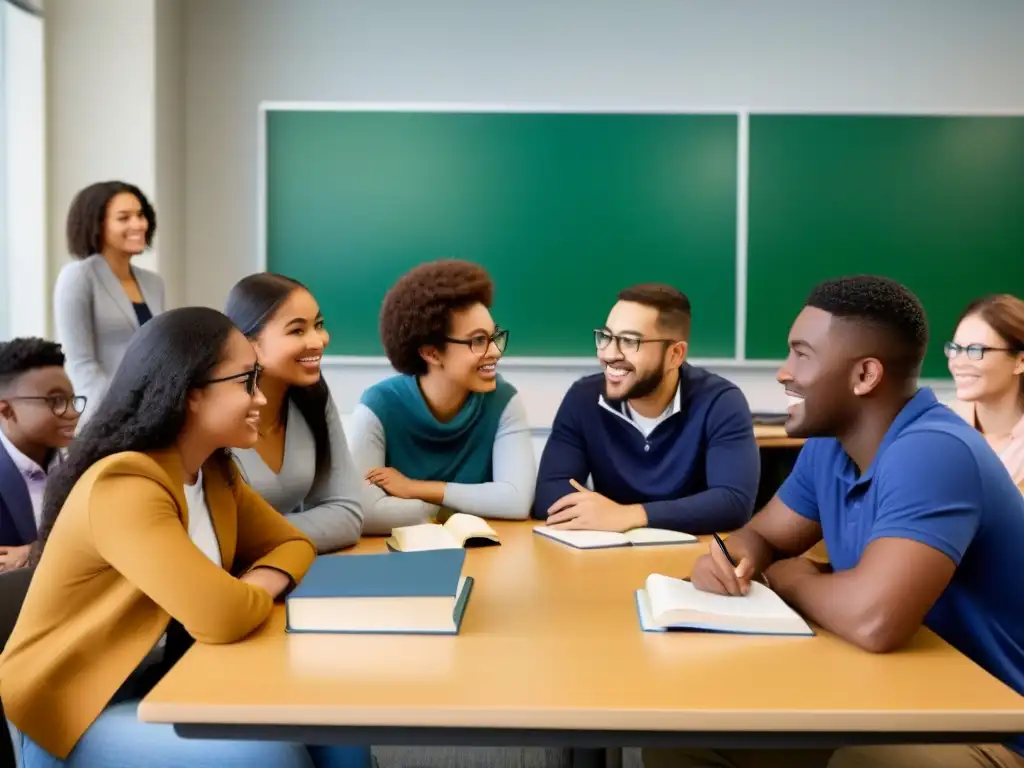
719	572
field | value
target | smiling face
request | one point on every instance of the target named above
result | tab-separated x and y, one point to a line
27	409
291	344
471	353
636	363
825	375
125	225
995	375
226	410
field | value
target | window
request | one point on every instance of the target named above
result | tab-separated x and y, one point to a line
23	253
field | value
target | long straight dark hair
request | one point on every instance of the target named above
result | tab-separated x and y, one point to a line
250	305
146	403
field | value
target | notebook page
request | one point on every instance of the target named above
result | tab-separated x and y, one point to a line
760	602
414	538
463	526
658	535
584	539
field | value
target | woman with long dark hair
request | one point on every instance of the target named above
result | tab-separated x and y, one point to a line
301	462
149	541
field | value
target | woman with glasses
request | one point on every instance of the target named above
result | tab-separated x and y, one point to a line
38	415
447	432
986	358
150	541
301	462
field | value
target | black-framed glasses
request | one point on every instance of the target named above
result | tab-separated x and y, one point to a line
603	339
480	343
58	404
973	351
250	378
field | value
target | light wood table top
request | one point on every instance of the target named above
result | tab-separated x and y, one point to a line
774	436
550	640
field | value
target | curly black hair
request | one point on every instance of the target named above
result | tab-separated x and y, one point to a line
25	354
88	212
147	400
417	311
251	303
884	306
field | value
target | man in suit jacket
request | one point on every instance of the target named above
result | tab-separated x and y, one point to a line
38	415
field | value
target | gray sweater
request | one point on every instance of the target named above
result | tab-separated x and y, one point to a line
325	508
509	496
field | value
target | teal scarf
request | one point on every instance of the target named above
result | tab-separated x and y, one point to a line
421	447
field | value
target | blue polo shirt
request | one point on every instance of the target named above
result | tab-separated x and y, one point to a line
934	480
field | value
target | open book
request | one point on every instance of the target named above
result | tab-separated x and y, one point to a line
459	530
638	537
666	603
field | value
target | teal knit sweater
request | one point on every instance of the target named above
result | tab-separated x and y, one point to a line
423	448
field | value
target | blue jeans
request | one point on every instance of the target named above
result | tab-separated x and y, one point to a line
118	739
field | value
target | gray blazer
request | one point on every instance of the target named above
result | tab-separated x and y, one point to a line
95	320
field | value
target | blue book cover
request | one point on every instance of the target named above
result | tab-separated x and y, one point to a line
406	593
433	573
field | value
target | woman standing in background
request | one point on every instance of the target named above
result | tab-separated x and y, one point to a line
986	358
301	463
100	300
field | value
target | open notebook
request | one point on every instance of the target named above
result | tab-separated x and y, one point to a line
460	530
666	603
638	537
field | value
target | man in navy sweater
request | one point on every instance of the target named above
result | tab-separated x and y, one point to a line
666	445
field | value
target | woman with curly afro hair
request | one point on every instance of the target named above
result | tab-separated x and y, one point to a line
447	431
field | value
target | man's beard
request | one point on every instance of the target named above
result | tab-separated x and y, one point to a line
642	388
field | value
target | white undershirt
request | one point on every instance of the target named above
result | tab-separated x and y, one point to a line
200	525
646	424
200	530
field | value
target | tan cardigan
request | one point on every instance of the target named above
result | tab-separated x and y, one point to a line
118	565
1012	454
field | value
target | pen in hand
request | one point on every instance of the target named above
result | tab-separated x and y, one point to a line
721	545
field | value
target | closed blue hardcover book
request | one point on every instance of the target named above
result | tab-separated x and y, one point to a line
411	592
434	573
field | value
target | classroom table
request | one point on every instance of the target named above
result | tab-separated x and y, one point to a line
774	436
551	654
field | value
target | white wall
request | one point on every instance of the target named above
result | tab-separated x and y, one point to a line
100	75
23	197
791	54
169	145
115	111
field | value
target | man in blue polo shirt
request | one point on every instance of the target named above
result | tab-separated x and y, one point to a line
922	522
666	444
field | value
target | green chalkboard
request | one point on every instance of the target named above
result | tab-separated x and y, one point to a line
935	202
563	209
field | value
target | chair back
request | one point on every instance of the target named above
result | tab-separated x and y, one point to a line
13	588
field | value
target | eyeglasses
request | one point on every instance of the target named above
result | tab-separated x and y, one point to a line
58	404
603	339
479	344
974	351
250	378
